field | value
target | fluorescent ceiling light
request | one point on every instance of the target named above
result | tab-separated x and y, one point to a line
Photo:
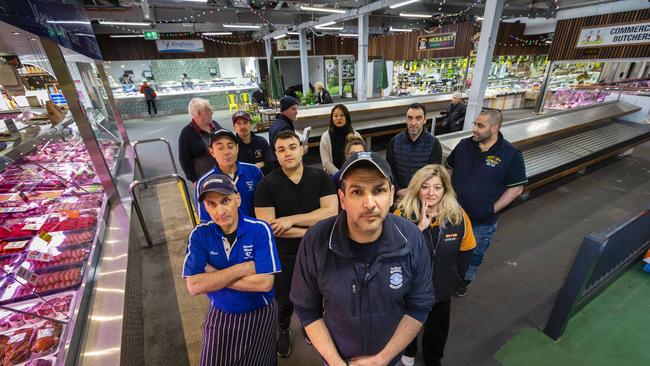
293	33
216	33
68	22
110	22
399	5
479	18
195	1
320	26
331	28
84	34
127	35
280	36
348	35
400	29
411	15
241	26
324	10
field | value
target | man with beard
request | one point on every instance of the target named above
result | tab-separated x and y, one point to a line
488	174
412	149
362	282
253	149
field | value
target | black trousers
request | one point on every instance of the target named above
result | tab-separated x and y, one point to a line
151	103
434	337
282	287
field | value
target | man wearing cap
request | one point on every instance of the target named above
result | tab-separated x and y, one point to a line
253	149
285	119
224	149
232	259
362	282
292	199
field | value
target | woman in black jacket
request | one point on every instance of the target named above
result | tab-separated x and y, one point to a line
430	203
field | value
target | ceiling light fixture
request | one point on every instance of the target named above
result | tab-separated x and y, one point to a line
280	36
321	26
216	33
15	33
351	35
412	15
137	24
331	28
68	22
324	10
293	33
127	36
242	26
84	34
400	29
399	5
195	1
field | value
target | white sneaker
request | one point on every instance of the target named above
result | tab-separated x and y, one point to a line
408	361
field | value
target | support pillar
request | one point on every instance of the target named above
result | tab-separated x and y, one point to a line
304	63
362	68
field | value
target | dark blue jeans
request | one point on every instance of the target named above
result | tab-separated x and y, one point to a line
483	235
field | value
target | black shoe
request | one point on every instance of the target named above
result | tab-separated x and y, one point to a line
307	340
461	288
284	343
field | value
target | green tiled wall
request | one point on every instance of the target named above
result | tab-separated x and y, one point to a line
172	70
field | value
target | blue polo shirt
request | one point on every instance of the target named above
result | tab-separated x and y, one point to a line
480	178
254	243
248	175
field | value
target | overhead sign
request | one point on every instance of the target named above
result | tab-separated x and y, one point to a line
180	45
437	42
614	35
291	45
151	35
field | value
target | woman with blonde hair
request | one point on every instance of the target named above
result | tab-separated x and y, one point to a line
430	203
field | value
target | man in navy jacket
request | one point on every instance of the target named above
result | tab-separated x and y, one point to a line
362	282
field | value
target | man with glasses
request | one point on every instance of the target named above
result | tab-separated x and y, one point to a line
488	174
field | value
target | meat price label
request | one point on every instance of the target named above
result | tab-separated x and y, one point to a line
39	256
27	275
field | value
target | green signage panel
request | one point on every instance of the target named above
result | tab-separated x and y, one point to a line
151	35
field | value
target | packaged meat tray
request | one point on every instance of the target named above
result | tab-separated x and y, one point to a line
61	222
61	240
46	339
66	257
8	263
15	346
82	202
55	307
48	283
13	247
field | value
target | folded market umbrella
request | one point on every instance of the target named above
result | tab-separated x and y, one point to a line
382	75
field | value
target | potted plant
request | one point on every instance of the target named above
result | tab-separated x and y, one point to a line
347	90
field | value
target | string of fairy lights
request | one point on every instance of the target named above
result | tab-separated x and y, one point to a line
427	26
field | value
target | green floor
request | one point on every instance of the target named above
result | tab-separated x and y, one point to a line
614	329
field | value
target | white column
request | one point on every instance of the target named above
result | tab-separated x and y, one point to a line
269	53
304	64
493	10
362	59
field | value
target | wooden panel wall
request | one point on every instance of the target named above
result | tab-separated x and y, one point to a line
567	33
326	45
404	46
507	46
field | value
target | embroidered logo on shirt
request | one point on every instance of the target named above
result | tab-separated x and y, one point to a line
248	251
258	154
396	277
492	160
214	253
451	236
251	185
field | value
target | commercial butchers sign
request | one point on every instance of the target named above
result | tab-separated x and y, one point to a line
436	42
180	45
614	35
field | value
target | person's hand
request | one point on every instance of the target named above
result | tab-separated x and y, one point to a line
367	361
209	268
281	225
425	218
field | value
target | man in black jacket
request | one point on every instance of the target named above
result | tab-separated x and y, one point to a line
284	121
456	113
194	140
362	283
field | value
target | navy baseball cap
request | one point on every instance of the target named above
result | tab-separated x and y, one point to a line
216	183
222	132
367	158
241	114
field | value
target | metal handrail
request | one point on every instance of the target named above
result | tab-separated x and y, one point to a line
159	179
147	141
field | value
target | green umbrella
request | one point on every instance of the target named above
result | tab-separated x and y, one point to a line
382	75
277	87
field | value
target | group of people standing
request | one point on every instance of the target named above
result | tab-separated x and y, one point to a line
366	251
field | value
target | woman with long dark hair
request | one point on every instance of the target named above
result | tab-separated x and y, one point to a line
332	143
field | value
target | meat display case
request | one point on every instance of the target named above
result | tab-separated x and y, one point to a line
53	214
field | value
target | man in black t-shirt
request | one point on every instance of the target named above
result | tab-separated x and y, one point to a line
253	149
292	199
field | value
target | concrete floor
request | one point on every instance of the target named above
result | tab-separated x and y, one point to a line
533	249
